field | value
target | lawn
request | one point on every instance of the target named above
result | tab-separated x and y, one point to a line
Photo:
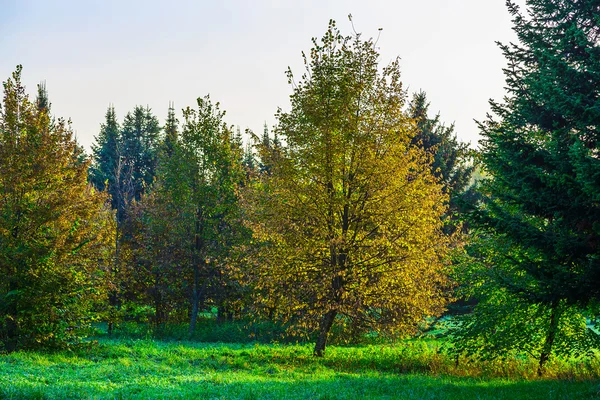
146	369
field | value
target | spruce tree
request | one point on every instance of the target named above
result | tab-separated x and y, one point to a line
540	221
105	156
171	132
140	142
451	161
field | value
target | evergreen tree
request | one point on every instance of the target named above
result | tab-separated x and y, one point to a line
106	156
540	220
452	162
140	142
171	131
42	101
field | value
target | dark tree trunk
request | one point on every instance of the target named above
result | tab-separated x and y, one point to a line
12	328
159	314
113	303
195	300
224	314
550	336
324	328
198	247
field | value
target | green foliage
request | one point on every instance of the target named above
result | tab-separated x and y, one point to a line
452	160
54	228
124	158
106	157
538	196
504	325
188	222
538	229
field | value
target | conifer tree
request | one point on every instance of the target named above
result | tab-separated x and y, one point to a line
171	131
140	141
106	156
540	230
42	101
452	162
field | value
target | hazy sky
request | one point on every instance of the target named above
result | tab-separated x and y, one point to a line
128	52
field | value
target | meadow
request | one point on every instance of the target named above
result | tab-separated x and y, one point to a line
125	368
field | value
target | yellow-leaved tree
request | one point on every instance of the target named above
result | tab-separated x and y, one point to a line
55	229
347	217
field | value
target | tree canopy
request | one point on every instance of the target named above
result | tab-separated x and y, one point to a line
350	211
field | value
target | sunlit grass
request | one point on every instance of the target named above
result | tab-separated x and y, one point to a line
141	369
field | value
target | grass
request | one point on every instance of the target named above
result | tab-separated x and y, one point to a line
147	369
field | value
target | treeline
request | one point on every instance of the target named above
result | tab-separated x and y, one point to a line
359	209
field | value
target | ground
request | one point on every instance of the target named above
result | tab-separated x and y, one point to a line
147	369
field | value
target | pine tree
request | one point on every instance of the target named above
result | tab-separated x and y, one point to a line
42	101
540	220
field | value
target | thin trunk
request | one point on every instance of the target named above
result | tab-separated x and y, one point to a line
158	308
113	298
550	337
224	314
324	328
196	293
195	300
12	329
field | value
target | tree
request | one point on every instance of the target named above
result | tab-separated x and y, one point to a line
140	142
349	214
124	164
541	152
212	174
158	241
106	153
171	130
54	228
189	219
452	162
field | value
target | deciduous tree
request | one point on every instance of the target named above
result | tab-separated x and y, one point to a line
55	229
348	214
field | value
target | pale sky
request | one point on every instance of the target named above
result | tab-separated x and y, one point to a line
149	52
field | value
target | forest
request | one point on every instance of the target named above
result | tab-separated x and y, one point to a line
358	237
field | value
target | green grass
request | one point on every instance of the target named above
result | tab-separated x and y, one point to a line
145	369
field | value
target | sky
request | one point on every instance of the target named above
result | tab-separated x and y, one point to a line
130	52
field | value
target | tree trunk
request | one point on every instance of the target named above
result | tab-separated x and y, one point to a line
324	328
113	303
195	299
158	308
113	295
552	330
12	328
196	257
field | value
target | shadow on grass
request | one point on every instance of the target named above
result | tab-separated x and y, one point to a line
131	369
340	386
